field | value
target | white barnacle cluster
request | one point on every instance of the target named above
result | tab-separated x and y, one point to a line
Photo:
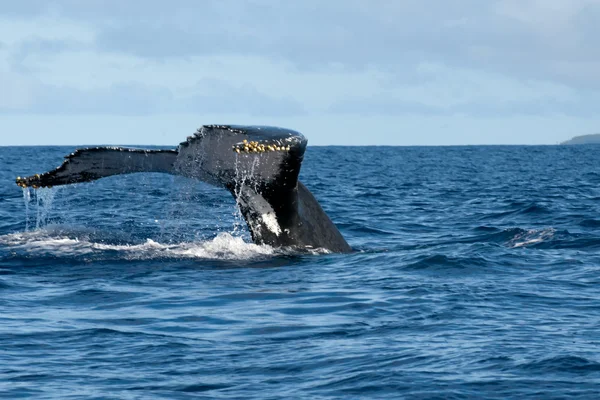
259	147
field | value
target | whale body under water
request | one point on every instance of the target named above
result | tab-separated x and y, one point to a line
259	165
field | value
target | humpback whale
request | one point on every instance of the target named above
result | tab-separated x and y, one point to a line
259	165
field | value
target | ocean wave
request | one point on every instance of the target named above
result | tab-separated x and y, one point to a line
443	262
572	364
474	280
517	209
590	223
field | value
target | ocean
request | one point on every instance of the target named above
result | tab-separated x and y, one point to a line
475	275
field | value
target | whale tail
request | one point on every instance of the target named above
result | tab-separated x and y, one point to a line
220	155
258	165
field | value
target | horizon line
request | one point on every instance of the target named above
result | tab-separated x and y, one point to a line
313	145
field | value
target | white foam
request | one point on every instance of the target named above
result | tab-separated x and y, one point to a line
223	247
530	237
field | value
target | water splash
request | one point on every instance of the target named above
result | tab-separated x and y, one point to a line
45	242
26	200
179	233
531	237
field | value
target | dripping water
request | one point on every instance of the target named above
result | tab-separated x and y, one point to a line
238	219
45	199
242	178
37	211
43	203
27	200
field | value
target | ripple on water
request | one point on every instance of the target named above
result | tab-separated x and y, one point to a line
476	276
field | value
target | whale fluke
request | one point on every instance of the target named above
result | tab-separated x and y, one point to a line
259	165
86	165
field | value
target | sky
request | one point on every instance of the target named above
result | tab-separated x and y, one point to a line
343	72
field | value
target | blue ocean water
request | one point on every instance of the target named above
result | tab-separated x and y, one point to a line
476	275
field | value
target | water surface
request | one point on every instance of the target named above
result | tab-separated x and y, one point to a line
475	275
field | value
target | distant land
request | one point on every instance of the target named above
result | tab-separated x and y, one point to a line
584	139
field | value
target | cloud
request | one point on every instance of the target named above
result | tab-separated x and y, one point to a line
16	93
277	58
530	39
133	99
42	48
438	89
215	96
383	105
118	99
391	106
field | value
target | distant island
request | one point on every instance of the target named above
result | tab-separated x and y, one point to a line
584	139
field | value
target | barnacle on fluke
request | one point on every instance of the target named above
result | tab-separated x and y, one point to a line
260	146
